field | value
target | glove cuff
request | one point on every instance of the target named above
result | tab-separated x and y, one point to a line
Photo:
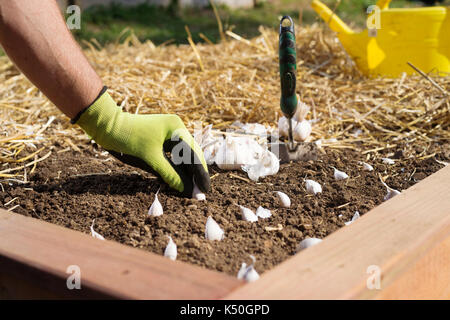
105	122
77	117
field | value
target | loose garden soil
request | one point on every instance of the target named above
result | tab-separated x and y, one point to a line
72	188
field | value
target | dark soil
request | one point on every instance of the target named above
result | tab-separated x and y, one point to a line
72	188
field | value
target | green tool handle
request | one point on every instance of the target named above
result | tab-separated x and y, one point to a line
288	68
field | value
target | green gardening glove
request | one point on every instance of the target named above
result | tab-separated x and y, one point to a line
143	141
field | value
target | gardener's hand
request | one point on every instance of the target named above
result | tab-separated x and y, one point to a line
143	140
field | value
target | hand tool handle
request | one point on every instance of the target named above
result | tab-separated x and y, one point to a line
288	67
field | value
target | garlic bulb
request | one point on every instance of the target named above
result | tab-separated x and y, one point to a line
388	161
171	249
156	207
283	126
313	187
302	111
267	165
308	242
302	130
263	213
197	194
213	230
94	233
248	215
284	199
367	167
339	175
355	216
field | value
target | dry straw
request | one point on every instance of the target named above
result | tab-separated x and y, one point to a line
237	79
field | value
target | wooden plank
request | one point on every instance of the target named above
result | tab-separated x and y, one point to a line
407	237
34	257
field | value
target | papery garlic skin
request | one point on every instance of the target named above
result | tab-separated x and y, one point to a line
94	233
156	208
302	111
213	230
248	215
306	243
355	217
284	199
263	213
313	187
171	250
340	175
302	130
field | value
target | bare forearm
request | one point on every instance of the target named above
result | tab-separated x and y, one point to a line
34	35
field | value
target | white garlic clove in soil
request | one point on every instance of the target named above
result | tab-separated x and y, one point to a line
390	192
355	217
302	131
367	167
388	161
284	199
263	213
308	242
156	208
213	230
171	249
242	271
197	194
251	274
339	175
313	187
248	215
94	233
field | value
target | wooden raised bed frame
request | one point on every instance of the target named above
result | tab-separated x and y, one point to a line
407	237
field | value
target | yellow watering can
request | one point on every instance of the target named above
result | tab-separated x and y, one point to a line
417	35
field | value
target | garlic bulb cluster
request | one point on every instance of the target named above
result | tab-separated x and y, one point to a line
213	231
248	273
284	199
301	128
156	208
308	242
94	233
268	164
313	187
171	249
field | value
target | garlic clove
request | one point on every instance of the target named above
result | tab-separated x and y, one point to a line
302	130
248	215
284	199
263	213
94	233
283	126
388	161
313	187
213	230
308	242
339	175
251	274
171	249
302	111
355	217
156	208
197	194
242	271
390	192
367	167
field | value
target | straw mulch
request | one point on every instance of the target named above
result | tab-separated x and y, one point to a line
237	79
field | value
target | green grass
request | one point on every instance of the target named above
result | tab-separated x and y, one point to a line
105	23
